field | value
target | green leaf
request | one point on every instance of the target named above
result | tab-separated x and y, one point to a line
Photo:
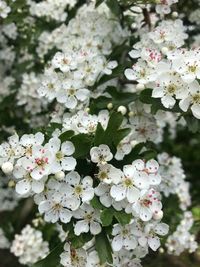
121	98
98	3
79	241
114	7
53	259
103	248
99	103
122	217
82	143
66	136
192	123
146	97
120	134
149	154
107	217
99	135
96	204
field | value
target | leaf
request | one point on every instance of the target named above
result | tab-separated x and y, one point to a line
96	204
114	7
121	98
99	103
122	217
146	97
103	248
98	3
79	241
66	136
120	135
107	217
192	123
99	135
53	259
82	143
149	154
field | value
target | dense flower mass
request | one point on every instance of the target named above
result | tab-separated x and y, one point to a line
92	94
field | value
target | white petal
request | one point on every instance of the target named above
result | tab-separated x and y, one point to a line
68	148
65	215
68	163
118	192
81	227
154	243
23	187
133	194
117	243
95	228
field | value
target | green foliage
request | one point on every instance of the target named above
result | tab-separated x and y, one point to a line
53	259
103	248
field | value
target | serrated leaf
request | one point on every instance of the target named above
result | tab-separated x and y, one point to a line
82	143
120	135
103	248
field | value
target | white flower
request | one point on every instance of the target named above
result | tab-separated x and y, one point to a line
62	155
148	237
26	183
72	92
123	237
73	257
89	220
109	174
39	164
110	66
56	205
11	150
4	9
101	154
81	189
65	62
126	188
147	204
192	100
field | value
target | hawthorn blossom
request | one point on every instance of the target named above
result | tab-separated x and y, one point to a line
62	155
88	220
101	154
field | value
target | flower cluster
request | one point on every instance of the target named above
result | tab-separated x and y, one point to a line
85	143
82	59
159	55
29	246
182	239
173	179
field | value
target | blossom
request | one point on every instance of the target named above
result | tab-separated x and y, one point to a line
88	220
123	237
101	154
73	257
148	204
81	189
62	159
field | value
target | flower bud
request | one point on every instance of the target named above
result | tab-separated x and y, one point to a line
140	86
7	167
122	109
110	105
60	175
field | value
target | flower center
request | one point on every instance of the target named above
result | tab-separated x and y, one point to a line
59	155
196	98
171	89
128	183
78	190
42	161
